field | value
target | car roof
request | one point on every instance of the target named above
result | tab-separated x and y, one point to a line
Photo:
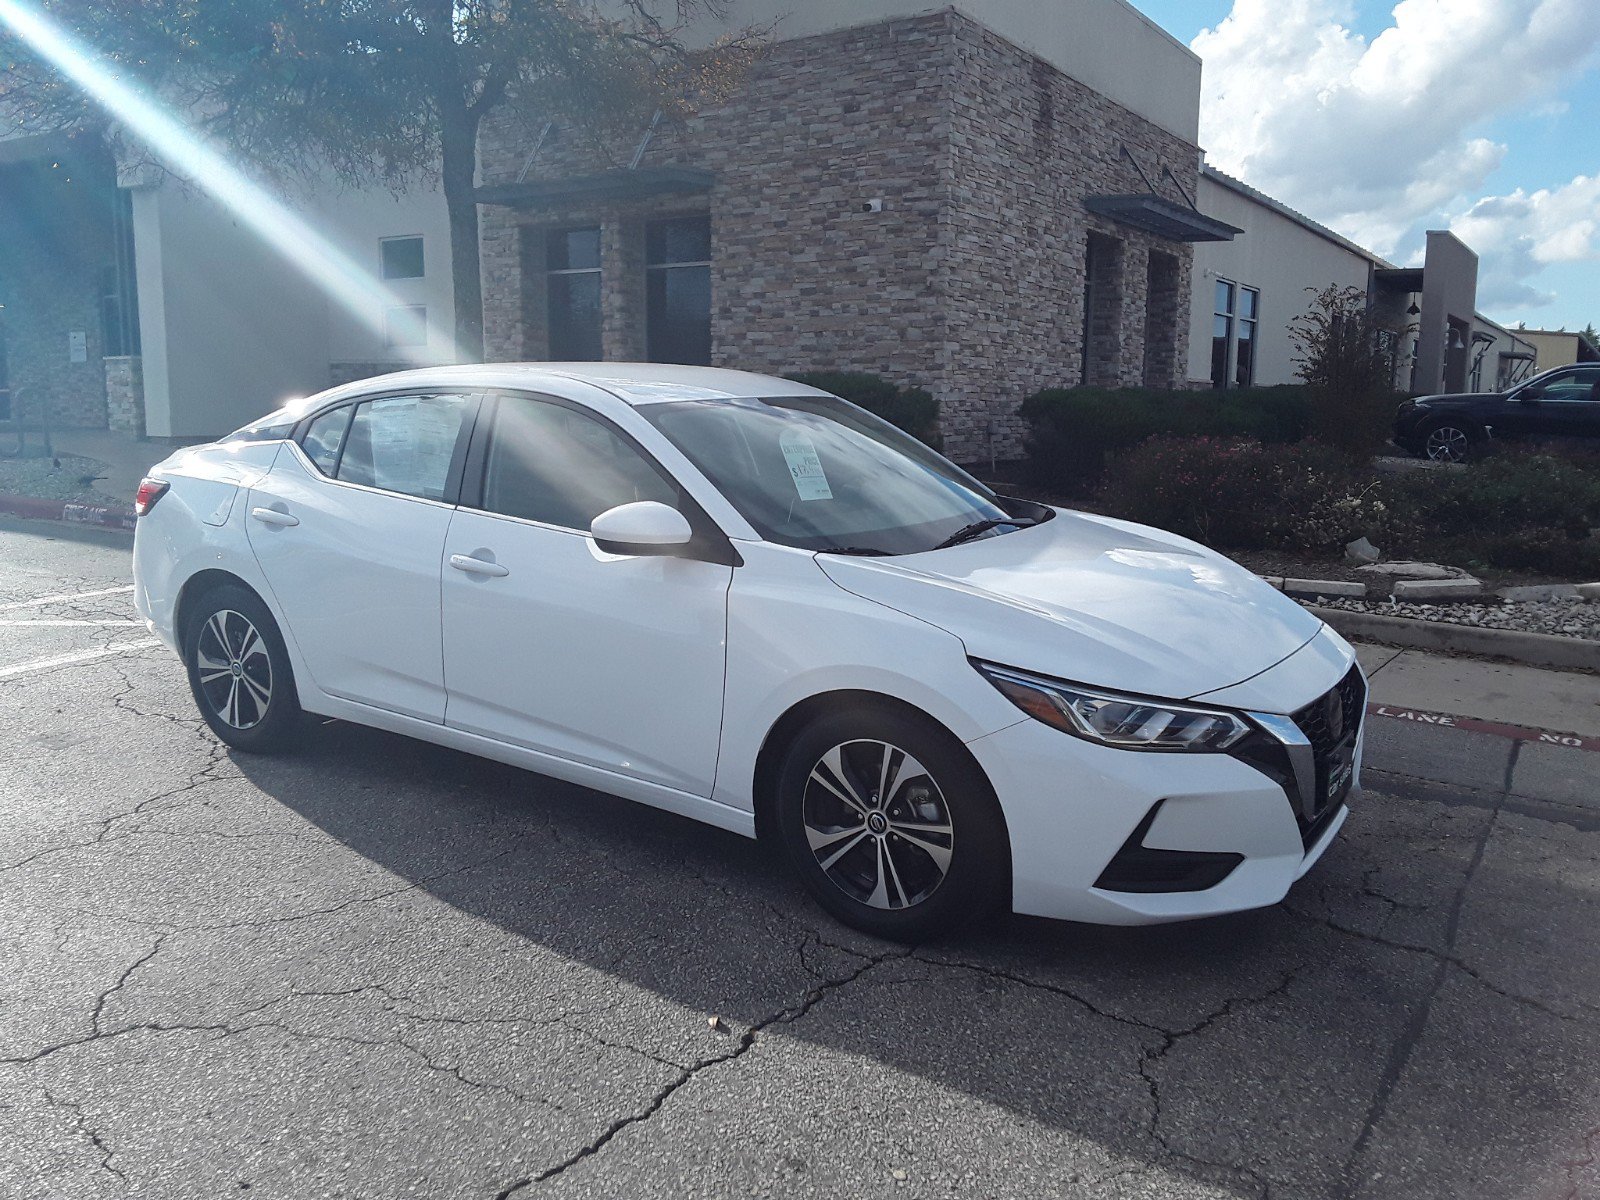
634	383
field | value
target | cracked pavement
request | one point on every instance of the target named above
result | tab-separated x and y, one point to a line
381	969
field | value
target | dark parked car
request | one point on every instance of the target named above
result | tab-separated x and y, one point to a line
1560	404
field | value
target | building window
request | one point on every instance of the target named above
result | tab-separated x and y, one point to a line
572	263
406	325
402	257
1244	356
678	290
1235	320
119	295
1222	332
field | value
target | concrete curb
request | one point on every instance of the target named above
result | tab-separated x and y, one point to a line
39	509
1530	649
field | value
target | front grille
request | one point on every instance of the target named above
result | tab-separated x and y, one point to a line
1326	729
1331	721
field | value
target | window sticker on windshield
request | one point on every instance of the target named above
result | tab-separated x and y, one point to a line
800	452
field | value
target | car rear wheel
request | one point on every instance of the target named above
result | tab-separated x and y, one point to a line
239	671
891	826
1448	441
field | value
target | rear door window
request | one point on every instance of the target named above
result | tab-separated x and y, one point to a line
405	444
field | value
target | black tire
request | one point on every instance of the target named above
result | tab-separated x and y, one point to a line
235	654
1450	441
916	901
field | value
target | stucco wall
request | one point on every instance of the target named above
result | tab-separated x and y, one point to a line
231	328
1275	254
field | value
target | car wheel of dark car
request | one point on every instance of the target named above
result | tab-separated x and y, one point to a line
1449	441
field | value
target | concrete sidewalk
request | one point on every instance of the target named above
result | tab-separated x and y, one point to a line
1496	692
127	459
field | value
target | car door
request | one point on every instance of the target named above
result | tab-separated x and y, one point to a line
1568	408
349	530
550	643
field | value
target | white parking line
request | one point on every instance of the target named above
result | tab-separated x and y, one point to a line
93	624
62	596
62	660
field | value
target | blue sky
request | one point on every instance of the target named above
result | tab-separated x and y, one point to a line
1385	119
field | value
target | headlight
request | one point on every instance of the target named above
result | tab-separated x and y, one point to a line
1126	722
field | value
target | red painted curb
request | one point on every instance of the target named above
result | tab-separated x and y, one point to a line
39	509
1521	733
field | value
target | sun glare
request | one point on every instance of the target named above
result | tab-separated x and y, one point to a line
353	287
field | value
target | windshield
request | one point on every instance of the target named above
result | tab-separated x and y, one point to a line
822	474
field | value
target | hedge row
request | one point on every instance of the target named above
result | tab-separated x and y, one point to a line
1514	512
1073	432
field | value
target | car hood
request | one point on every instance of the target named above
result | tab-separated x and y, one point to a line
1096	601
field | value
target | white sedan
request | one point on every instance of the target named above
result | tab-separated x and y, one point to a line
751	603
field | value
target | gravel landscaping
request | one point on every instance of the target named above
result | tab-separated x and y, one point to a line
1564	618
72	480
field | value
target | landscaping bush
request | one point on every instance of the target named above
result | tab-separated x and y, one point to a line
1073	431
909	408
1514	512
1241	495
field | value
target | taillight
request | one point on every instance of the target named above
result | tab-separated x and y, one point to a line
150	490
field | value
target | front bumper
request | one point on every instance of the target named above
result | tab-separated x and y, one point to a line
1072	807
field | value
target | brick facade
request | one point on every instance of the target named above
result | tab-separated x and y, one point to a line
125	394
55	245
971	279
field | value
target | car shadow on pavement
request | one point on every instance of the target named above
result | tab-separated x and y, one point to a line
1298	1049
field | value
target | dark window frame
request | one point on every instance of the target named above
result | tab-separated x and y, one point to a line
551	274
388	329
653	268
422	255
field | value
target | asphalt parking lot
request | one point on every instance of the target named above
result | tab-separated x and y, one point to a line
381	969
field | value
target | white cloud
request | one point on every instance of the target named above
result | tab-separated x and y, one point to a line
1517	236
1375	137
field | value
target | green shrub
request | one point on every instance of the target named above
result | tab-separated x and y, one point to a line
912	409
1243	495
1508	493
1071	432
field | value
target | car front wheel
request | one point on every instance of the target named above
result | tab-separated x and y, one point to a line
1448	442
891	826
239	671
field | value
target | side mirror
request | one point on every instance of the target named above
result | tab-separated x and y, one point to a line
646	527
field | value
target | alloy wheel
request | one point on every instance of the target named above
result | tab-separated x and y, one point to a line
1446	444
878	824
234	668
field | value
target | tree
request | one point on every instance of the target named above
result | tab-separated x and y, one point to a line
384	92
1348	358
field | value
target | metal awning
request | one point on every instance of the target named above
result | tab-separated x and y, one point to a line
609	185
1162	217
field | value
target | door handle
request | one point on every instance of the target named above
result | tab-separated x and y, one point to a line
477	566
271	516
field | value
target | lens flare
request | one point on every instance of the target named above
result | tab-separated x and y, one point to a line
353	287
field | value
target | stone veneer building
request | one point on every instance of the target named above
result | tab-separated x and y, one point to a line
980	200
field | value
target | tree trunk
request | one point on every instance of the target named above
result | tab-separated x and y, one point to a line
459	145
